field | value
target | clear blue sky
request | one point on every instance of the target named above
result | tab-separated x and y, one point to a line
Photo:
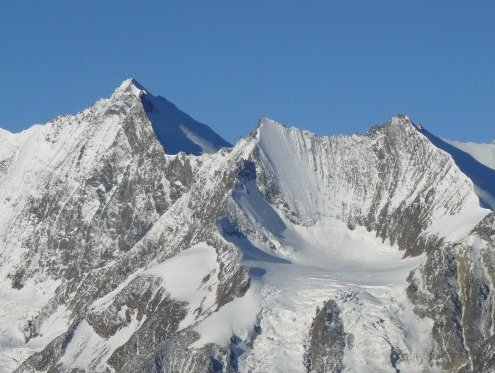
327	66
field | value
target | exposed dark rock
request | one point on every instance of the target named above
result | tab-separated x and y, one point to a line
325	352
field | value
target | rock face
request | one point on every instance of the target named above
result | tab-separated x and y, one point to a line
454	287
132	239
328	339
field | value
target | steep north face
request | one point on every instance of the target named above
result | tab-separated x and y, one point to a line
133	238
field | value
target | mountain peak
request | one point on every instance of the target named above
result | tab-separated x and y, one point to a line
176	131
131	86
265	121
400	119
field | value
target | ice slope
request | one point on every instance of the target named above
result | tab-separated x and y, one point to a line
176	130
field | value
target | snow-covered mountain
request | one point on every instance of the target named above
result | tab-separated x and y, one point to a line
133	238
476	161
176	131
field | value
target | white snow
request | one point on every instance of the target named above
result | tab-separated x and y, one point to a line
50	152
183	273
190	276
327	261
338	177
235	318
87	350
17	307
130	86
375	315
457	226
67	149
483	153
327	243
300	266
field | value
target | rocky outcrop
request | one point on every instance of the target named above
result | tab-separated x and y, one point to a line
327	341
454	287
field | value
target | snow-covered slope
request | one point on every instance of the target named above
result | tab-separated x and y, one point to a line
176	130
128	243
475	161
360	179
321	221
483	153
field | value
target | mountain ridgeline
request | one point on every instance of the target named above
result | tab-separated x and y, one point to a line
135	239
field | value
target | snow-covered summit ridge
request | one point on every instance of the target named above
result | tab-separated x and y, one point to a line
177	131
130	86
265	121
364	177
476	161
400	119
396	120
